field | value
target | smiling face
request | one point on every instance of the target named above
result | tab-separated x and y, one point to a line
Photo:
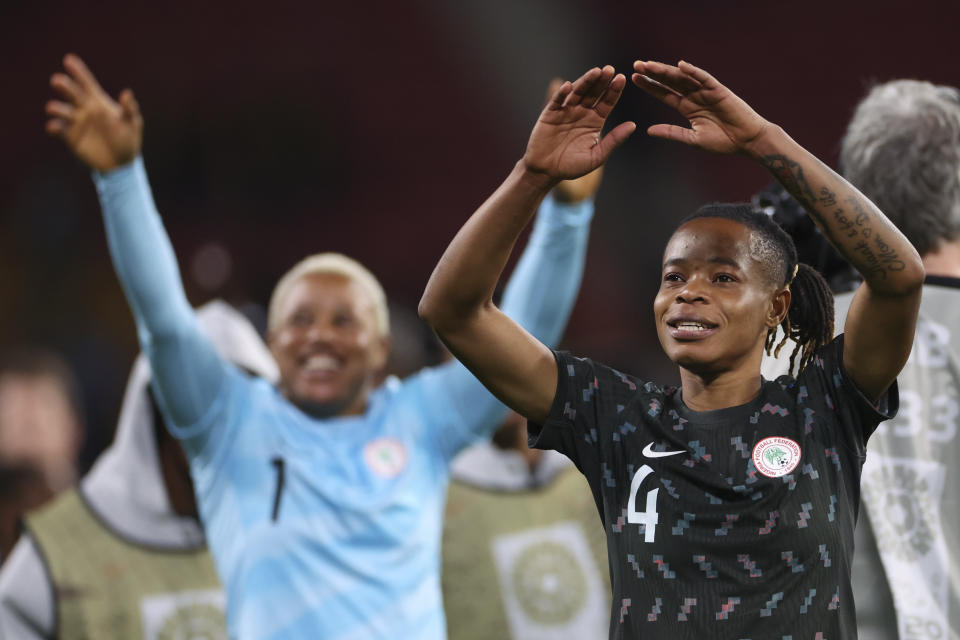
717	297
327	344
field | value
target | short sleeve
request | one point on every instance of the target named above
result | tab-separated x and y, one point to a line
587	398
855	415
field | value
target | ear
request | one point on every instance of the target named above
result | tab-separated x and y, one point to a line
271	340
381	353
779	306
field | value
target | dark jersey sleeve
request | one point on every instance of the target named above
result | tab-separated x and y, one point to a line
856	415
588	400
571	427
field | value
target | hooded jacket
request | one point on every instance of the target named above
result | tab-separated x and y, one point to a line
125	489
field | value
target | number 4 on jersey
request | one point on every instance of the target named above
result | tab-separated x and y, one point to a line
647	518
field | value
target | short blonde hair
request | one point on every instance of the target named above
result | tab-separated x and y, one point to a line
339	264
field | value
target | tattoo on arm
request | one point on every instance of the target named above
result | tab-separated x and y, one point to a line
790	175
853	229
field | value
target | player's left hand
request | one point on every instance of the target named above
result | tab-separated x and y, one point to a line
719	120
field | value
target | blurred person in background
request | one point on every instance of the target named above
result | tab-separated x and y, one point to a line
123	555
524	555
322	496
813	248
22	488
41	430
902	150
41	421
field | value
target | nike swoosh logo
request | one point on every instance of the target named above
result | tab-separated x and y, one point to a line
648	452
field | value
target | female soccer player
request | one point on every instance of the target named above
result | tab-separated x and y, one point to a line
729	503
321	497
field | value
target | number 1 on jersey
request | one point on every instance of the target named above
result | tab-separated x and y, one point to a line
648	518
277	462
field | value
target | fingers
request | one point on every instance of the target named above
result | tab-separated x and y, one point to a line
81	73
61	115
673	132
597	89
552	89
66	87
55	126
704	78
592	91
665	94
559	96
59	110
669	76
608	100
130	106
583	88
615	138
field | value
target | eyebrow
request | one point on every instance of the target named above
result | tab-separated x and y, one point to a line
714	260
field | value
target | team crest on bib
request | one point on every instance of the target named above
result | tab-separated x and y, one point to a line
386	457
775	457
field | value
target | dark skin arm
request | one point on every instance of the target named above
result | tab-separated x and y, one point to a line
566	143
882	319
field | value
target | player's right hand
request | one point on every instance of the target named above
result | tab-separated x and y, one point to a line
104	133
577	189
566	141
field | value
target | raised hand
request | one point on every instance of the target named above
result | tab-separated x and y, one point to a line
566	142
578	189
719	120
104	133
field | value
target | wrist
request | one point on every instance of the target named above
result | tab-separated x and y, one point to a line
537	181
768	142
118	166
120	179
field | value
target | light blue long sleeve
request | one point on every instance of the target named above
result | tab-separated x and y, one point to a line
543	287
539	296
187	372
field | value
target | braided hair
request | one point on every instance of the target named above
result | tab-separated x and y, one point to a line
809	321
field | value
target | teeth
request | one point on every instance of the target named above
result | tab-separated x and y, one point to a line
321	363
692	326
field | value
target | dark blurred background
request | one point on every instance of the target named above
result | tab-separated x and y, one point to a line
275	130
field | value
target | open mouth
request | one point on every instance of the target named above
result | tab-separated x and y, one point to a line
321	365
690	329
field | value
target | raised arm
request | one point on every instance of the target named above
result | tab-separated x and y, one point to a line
880	326
539	297
542	289
565	143
107	135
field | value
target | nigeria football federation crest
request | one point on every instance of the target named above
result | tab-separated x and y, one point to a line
776	456
387	457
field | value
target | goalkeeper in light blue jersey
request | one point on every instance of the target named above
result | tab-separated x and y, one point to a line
322	497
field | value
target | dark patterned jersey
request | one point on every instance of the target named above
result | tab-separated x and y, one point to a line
735	523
